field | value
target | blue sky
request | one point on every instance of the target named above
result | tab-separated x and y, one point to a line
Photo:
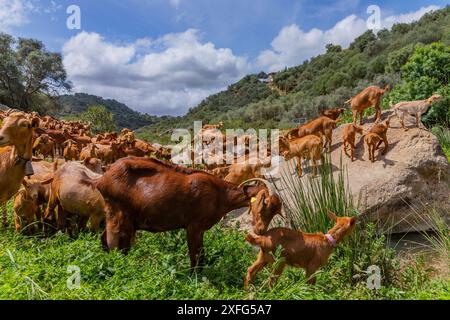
164	56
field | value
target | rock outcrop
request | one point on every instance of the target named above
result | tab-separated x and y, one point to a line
394	190
414	174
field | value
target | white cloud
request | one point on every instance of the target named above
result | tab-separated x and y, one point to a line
12	14
163	76
175	3
292	45
407	17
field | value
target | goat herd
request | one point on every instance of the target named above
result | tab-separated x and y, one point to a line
109	179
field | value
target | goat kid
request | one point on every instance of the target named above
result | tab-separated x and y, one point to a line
309	251
309	147
349	138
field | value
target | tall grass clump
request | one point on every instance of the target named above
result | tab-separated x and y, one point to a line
306	203
438	240
443	135
307	200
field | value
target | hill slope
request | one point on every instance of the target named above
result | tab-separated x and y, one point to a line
324	81
123	115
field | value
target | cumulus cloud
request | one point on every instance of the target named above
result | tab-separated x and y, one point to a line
159	76
175	3
292	45
12	14
407	17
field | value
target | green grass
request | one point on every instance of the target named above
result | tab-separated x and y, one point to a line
443	135
157	268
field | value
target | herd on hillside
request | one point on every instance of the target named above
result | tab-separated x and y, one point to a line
119	184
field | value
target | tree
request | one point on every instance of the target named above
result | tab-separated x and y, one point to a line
426	73
28	72
100	118
431	62
361	42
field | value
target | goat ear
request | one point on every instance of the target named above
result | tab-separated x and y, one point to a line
332	215
35	122
266	198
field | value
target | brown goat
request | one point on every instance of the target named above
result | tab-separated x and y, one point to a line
372	140
239	172
349	138
15	161
309	251
45	145
381	130
370	96
26	205
74	199
333	113
58	137
309	147
322	126
264	207
89	152
71	151
162	197
25	212
108	153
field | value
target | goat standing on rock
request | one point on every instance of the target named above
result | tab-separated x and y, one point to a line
414	108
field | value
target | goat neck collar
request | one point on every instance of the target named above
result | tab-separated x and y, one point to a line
26	163
331	240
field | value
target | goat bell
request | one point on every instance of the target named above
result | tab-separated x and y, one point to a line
29	169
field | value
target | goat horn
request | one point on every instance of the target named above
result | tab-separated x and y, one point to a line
8	113
267	183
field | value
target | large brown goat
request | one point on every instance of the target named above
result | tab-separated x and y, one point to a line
15	161
74	199
162	197
370	96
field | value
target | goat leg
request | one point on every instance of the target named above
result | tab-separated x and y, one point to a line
195	245
299	166
276	274
256	267
311	278
355	116
386	145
